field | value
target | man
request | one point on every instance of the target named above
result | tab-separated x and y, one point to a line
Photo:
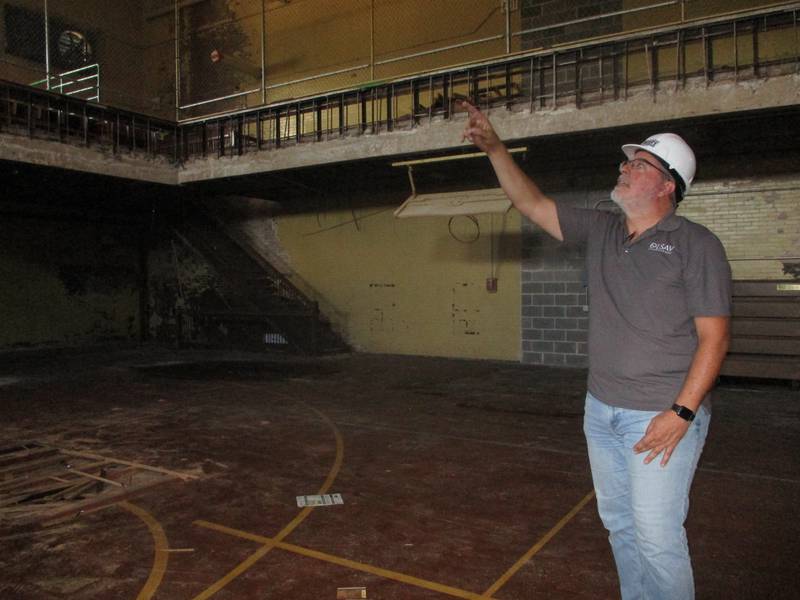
659	287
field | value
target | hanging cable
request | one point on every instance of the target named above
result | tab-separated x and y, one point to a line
464	240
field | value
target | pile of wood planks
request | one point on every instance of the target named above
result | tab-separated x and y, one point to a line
40	482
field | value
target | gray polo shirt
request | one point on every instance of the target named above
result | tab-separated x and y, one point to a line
643	298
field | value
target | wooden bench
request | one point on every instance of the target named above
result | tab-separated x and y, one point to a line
765	329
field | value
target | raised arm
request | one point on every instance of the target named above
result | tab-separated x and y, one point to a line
520	189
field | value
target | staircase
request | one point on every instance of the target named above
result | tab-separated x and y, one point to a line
765	330
261	306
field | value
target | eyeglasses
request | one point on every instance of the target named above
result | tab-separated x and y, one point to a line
639	165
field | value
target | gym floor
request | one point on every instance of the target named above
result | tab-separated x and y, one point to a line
179	474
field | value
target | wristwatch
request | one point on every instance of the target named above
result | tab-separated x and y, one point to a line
683	412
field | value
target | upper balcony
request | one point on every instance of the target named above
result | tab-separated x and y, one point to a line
681	65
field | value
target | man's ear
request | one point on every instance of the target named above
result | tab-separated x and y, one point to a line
670	186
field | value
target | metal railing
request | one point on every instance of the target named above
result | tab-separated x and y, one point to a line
579	75
46	115
83	82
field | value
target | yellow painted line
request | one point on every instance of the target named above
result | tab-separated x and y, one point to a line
254	558
334	472
344	562
538	546
159	550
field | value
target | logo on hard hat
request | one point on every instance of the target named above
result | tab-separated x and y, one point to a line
650	142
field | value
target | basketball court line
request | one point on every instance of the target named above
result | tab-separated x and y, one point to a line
269	543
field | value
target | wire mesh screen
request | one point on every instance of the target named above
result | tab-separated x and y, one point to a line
220	49
410	38
314	46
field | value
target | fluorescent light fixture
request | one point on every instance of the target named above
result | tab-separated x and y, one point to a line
472	202
433	159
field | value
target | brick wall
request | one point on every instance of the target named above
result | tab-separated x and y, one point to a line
757	221
555	317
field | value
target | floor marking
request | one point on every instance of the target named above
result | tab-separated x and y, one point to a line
159	550
747	475
538	545
251	560
344	562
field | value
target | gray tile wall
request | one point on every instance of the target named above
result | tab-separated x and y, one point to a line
555	315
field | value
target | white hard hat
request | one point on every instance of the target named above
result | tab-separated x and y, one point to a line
672	152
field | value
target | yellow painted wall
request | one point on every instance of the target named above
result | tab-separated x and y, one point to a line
406	286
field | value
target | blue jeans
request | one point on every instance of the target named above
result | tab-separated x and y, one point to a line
643	506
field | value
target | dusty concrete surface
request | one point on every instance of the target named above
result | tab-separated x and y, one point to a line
451	471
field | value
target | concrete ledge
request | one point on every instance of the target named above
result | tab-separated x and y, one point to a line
667	104
88	160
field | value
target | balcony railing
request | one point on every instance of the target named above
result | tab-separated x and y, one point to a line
47	115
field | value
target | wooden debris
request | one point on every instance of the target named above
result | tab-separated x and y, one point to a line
40	482
351	593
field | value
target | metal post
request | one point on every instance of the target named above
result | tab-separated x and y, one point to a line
363	105
318	114
507	4
30	114
389	108
263	54
372	41
735	54
342	116
530	87
625	72
47	44
756	66
602	75
177	63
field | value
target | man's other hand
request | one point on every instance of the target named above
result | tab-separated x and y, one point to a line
662	436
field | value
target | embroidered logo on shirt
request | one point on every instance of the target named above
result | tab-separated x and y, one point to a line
661	247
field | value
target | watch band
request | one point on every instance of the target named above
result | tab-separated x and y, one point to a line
683	412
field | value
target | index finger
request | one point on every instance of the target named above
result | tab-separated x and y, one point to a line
471	108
